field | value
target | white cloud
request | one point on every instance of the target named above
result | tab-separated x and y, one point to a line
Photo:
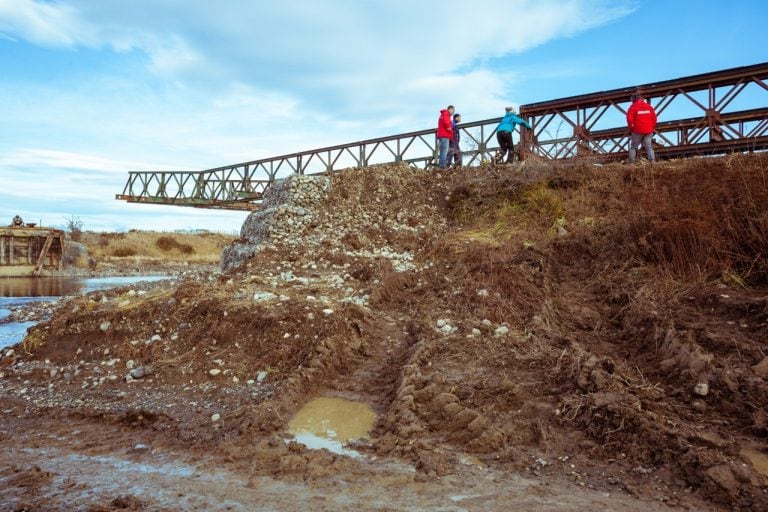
51	159
319	44
212	83
38	22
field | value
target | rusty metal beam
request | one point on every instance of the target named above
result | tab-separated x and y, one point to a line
583	118
586	118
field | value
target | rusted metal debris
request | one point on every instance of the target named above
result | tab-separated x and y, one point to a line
698	116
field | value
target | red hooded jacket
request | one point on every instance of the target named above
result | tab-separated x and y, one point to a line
641	118
444	125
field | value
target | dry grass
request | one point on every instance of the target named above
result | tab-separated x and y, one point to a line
707	216
172	247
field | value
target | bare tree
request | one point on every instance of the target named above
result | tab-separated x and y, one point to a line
74	227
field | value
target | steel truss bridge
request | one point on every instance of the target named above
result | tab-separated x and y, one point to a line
707	114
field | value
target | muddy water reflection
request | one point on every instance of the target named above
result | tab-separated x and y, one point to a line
61	286
18	291
328	422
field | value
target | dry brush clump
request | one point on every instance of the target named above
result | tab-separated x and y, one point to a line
708	217
202	247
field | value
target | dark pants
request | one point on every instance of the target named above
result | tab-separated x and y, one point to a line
506	146
454	154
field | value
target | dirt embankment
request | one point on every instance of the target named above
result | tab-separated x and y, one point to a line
603	325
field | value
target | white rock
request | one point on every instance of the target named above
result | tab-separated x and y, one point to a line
476	332
483	292
487	322
9	352
501	330
448	329
327	311
701	389
141	371
215	417
261	376
105	326
264	296
214	372
155	338
250	382
310	316
130	364
235	380
441	323
131	293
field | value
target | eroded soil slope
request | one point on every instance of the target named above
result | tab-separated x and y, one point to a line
597	328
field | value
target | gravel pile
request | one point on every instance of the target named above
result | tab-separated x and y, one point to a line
366	213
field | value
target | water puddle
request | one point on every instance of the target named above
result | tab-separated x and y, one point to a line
758	459
330	423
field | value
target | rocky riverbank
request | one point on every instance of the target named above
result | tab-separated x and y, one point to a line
529	338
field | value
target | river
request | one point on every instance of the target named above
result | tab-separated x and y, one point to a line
16	291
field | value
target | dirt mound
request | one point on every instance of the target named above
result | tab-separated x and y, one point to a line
603	324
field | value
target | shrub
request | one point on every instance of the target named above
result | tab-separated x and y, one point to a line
122	252
167	243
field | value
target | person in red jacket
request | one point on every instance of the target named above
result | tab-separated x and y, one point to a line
444	135
641	119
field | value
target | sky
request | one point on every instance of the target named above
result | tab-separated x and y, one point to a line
93	89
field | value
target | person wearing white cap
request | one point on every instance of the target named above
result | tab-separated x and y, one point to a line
504	135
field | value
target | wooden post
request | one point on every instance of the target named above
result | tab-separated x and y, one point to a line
60	254
11	259
30	249
2	250
43	254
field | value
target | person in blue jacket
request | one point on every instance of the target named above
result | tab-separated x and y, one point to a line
504	135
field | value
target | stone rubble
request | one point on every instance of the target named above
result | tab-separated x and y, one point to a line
353	218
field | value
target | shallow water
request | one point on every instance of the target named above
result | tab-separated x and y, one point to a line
329	423
26	287
17	291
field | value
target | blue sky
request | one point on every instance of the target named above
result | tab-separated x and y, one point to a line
91	89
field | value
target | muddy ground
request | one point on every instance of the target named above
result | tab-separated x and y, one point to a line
533	338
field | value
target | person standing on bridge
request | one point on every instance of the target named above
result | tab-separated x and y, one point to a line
504	135
641	120
455	157
444	135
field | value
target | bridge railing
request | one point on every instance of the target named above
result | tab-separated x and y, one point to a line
703	114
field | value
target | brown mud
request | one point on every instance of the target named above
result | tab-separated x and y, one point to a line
566	337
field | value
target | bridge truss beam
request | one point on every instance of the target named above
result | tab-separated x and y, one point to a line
703	115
